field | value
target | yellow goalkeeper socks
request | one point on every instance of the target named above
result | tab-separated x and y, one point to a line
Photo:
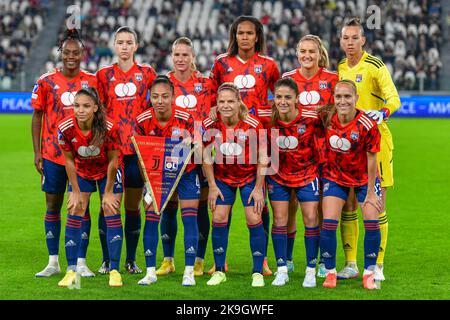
349	234
384	234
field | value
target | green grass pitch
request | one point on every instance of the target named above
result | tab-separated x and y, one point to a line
417	259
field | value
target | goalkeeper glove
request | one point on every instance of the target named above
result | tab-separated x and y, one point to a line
378	115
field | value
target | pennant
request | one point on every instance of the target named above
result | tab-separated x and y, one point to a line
162	162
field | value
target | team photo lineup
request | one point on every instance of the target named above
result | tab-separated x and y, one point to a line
311	142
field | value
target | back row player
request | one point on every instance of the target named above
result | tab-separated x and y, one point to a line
52	100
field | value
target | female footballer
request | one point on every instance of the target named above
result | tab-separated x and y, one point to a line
89	142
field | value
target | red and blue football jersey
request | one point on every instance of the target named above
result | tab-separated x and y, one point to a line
91	161
315	92
297	152
347	148
236	156
54	94
254	78
194	96
125	97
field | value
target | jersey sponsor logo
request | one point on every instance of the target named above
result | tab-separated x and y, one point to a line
354	135
287	142
186	101
231	149
339	143
125	89
301	129
246	81
68	97
138	76
198	87
309	97
90	151
358	77
171	163
258	68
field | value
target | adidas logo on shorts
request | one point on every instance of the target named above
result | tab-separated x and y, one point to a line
84	236
148	253
49	235
326	255
257	254
279	261
219	250
371	255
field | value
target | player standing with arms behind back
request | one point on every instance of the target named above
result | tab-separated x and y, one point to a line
124	86
246	65
52	100
352	142
315	84
192	94
379	98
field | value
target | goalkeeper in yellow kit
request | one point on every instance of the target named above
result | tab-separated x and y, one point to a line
379	98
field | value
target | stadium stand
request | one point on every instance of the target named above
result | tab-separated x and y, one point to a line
409	40
20	23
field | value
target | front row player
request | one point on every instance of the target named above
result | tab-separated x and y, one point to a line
239	162
298	172
89	143
164	120
352	140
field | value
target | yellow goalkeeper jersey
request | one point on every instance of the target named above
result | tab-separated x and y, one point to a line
376	89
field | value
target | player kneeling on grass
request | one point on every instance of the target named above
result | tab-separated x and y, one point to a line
89	143
352	141
238	164
298	171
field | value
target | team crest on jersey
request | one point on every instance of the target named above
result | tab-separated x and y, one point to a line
198	87
60	138
171	163
258	68
358	77
176	132
138	76
84	84
354	135
323	85
301	129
